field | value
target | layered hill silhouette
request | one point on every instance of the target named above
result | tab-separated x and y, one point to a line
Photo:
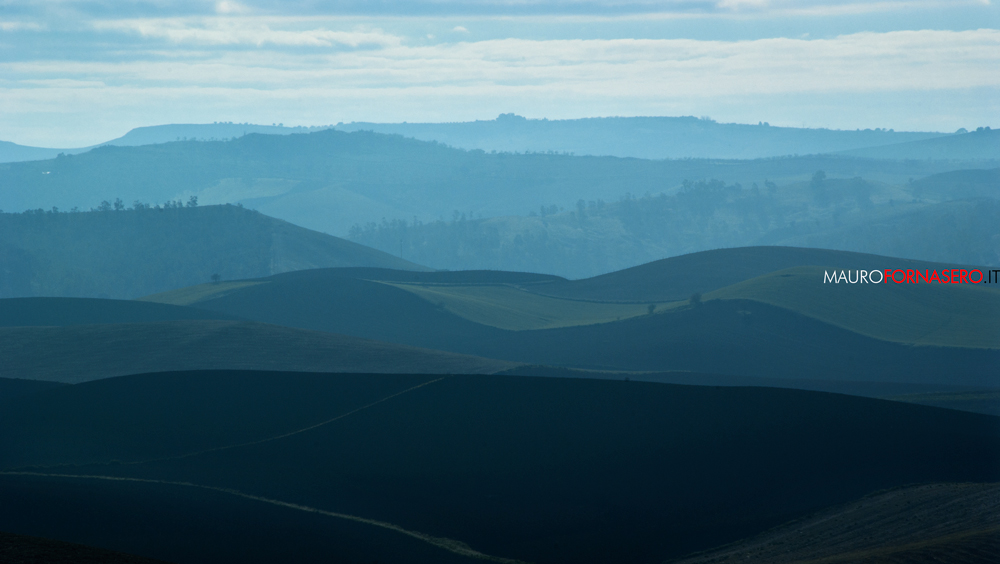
982	144
643	137
454	469
135	252
676	278
81	353
331	180
61	312
786	324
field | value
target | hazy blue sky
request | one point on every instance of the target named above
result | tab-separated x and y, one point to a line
77	72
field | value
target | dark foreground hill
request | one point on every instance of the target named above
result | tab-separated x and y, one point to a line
21	549
361	468
135	252
939	524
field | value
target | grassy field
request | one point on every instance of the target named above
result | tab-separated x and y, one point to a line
508	307
193	294
676	278
740	337
923	314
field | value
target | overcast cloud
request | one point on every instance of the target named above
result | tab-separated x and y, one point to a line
75	73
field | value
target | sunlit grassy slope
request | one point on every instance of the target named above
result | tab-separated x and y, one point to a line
507	307
193	294
957	315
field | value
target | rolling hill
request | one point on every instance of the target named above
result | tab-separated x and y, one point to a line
331	180
980	144
427	469
959	184
81	353
642	137
676	278
60	312
929	314
646	137
950	217
777	326
136	252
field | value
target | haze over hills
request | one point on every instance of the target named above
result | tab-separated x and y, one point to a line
981	144
583	340
129	253
947	217
448	208
644	137
641	137
430	469
154	134
308	178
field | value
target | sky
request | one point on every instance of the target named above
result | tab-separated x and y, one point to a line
74	73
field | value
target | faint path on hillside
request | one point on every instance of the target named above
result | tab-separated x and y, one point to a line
451	545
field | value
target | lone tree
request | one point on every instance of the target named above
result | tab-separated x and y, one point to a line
651	308
696	299
216	278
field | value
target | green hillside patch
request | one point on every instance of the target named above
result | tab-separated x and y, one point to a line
922	314
194	294
507	307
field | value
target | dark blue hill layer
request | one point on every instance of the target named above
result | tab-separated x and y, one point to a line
544	470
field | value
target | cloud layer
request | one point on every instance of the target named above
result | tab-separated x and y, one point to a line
76	80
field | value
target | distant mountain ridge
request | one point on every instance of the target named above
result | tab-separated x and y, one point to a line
642	137
639	137
153	135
